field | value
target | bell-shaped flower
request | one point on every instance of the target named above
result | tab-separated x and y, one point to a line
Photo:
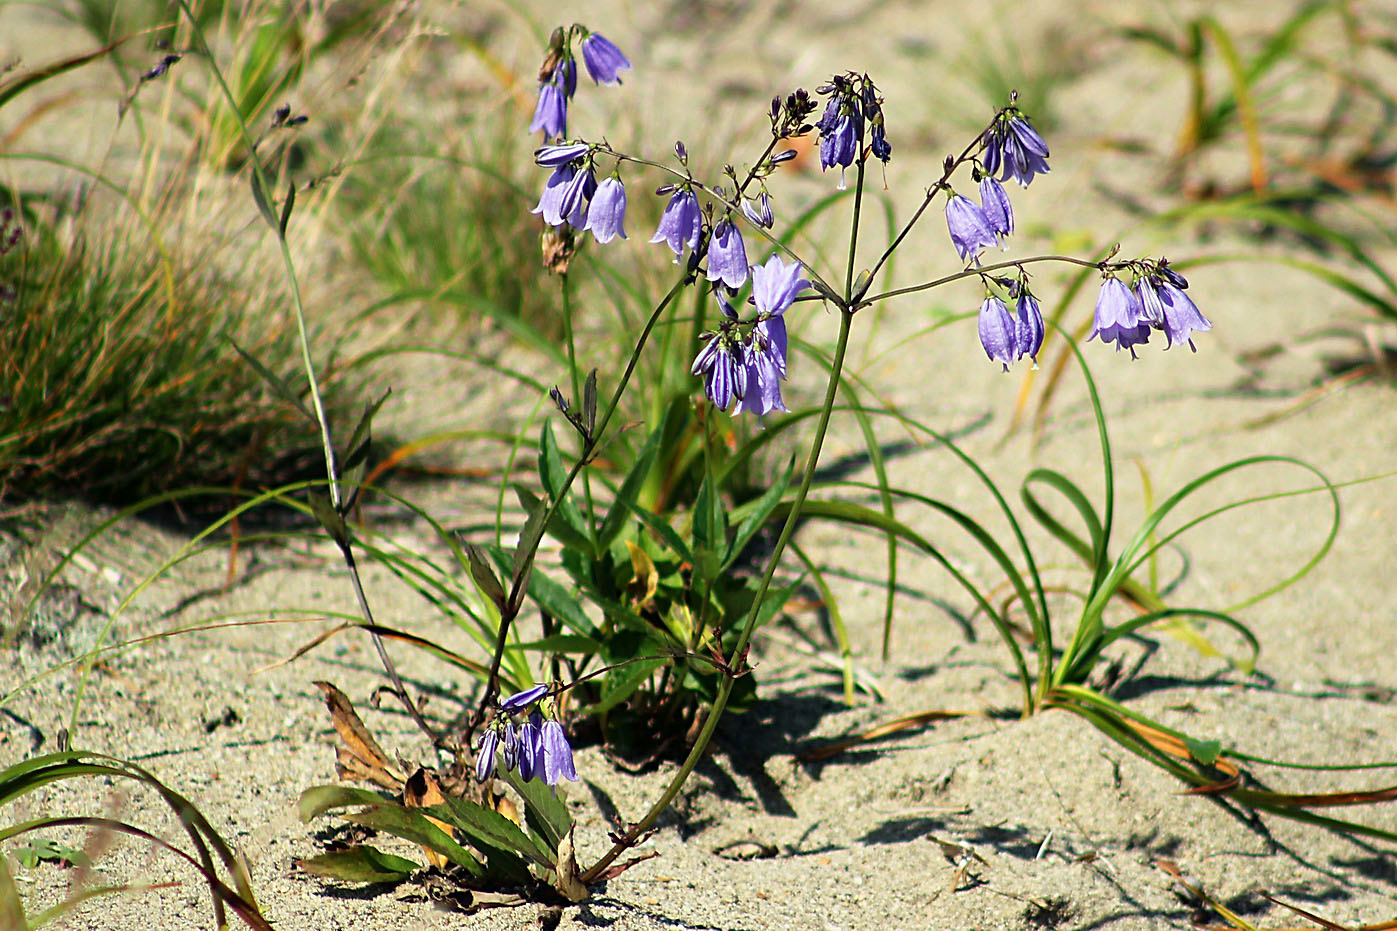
969	227
603	59
1028	326
766	365
1120	317
998	211
557	754
554	189
758	212
1181	316
681	224
606	216
727	255
578	191
485	755
723	370
530	763
775	286
840	145
551	111
1013	149
998	333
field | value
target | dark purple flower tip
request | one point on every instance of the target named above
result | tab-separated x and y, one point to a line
727	255
785	155
1028	327
551	156
557	754
1120	317
521	700
485	756
998	211
997	332
775	286
554	189
969	227
603	59
724	377
1171	276
681	224
530	762
578	191
1181	316
882	149
606	216
551	112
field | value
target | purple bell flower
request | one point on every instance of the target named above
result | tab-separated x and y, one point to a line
681	224
723	371
606	216
998	211
765	364
1120	317
969	227
1013	149
554	190
998	332
727	255
603	59
1028	326
485	756
758	212
573	204
1181	316
557	754
840	145
509	746
551	112
530	763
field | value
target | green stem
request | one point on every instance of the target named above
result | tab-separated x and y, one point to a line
725	684
977	271
577	396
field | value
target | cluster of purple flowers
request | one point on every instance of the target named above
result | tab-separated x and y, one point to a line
533	746
853	103
557	79
572	195
1154	301
974	227
1008	337
1013	148
750	371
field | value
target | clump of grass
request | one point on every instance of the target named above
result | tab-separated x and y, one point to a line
120	379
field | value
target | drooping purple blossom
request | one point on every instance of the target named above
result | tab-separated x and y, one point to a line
603	59
1028	326
998	333
485	755
720	363
550	205
840	145
1120	317
727	255
557	754
1013	149
775	286
530	763
1181	316
606	216
998	211
573	204
765	363
969	227
551	111
758	212
681	224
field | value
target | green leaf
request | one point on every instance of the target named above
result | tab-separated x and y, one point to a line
567	524
277	384
757	513
544	813
11	906
493	829
286	208
710	522
662	529
483	575
411	824
589	404
615	519
259	196
361	864
319	799
327	516
1204	751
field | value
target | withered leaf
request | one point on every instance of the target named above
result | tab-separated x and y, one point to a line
361	757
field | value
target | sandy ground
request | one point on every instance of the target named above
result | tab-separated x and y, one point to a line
984	821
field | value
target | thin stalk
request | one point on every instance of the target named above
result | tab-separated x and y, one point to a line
576	392
976	271
725	684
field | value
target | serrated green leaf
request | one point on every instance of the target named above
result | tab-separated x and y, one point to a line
360	864
490	828
545	814
411	824
484	575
